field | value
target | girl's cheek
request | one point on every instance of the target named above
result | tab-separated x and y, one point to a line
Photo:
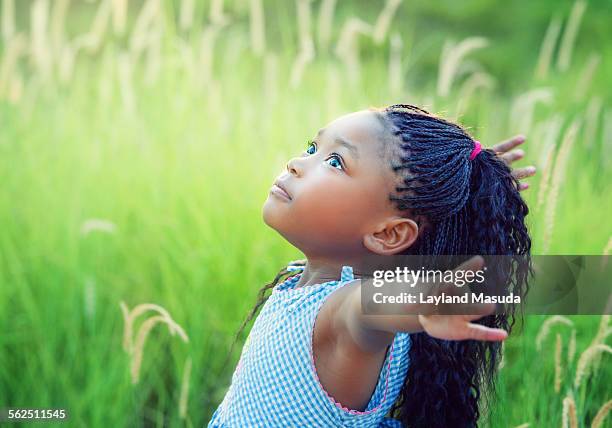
330	212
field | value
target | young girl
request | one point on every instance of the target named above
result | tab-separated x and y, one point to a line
390	181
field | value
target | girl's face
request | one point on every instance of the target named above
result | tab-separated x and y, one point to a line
338	189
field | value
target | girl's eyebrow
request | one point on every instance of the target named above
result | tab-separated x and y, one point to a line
352	148
344	142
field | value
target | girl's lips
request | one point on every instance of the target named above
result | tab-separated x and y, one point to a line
279	191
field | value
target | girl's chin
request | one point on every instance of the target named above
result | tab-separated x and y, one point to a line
270	212
276	218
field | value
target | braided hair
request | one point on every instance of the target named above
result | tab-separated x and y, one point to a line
467	207
463	206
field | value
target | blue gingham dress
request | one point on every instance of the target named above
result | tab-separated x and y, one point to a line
275	383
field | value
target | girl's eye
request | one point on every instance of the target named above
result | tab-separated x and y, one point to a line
334	160
311	149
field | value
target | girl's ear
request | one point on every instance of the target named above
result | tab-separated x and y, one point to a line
392	237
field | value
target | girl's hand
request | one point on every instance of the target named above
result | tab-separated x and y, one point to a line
460	327
505	152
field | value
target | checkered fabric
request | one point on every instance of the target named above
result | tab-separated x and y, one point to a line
275	383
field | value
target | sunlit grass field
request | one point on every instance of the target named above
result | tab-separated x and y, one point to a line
137	147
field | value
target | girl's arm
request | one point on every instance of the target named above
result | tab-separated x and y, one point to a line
372	332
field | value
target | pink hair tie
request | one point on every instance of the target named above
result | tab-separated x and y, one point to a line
476	150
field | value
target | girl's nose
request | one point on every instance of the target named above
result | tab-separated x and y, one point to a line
294	166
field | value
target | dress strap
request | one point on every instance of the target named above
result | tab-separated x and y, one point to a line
347	274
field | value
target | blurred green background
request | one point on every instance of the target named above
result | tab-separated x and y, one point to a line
138	141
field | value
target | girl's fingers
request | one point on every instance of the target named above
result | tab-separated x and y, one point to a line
523	186
508	145
479	310
470	311
521	173
481	332
512	156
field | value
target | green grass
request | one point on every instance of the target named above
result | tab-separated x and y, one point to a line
183	175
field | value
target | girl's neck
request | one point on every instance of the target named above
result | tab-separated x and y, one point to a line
318	271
